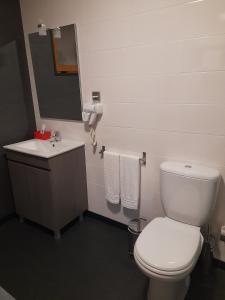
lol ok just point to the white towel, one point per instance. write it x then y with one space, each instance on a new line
111 177
130 181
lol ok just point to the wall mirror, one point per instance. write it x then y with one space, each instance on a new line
56 71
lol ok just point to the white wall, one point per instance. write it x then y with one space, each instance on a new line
160 67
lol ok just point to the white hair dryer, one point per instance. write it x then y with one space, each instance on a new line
91 111
89 115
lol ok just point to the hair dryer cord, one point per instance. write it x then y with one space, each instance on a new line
93 137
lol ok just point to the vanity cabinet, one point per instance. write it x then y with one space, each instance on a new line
49 191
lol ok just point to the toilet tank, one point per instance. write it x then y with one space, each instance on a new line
188 191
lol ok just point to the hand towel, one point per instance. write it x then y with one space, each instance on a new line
111 177
130 181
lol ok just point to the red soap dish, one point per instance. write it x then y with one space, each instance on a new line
42 136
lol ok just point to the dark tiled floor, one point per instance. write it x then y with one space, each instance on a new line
90 262
208 285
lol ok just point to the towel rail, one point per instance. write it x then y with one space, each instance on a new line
142 159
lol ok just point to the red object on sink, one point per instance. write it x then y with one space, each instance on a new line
42 136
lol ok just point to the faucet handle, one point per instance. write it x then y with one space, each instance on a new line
55 135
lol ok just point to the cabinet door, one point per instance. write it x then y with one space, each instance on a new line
32 193
40 196
19 180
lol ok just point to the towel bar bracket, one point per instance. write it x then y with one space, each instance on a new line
101 152
142 160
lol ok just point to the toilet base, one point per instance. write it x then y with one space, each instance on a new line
168 290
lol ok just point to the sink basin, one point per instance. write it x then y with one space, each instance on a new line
45 149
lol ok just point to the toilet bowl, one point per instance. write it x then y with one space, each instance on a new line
168 248
167 251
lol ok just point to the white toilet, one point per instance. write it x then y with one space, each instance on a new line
168 248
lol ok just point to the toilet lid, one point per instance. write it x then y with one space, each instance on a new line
168 245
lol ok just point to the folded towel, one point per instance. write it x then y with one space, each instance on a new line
111 177
130 181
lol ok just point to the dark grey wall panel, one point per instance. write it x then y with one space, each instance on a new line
13 115
17 120
11 29
58 95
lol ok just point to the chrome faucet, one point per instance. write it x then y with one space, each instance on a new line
55 136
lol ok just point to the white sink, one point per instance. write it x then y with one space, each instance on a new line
44 149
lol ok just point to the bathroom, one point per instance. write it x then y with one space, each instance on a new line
157 68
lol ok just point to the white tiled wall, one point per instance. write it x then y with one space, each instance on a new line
160 67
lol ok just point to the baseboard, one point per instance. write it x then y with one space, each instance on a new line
105 219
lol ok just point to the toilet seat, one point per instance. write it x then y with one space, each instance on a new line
168 249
